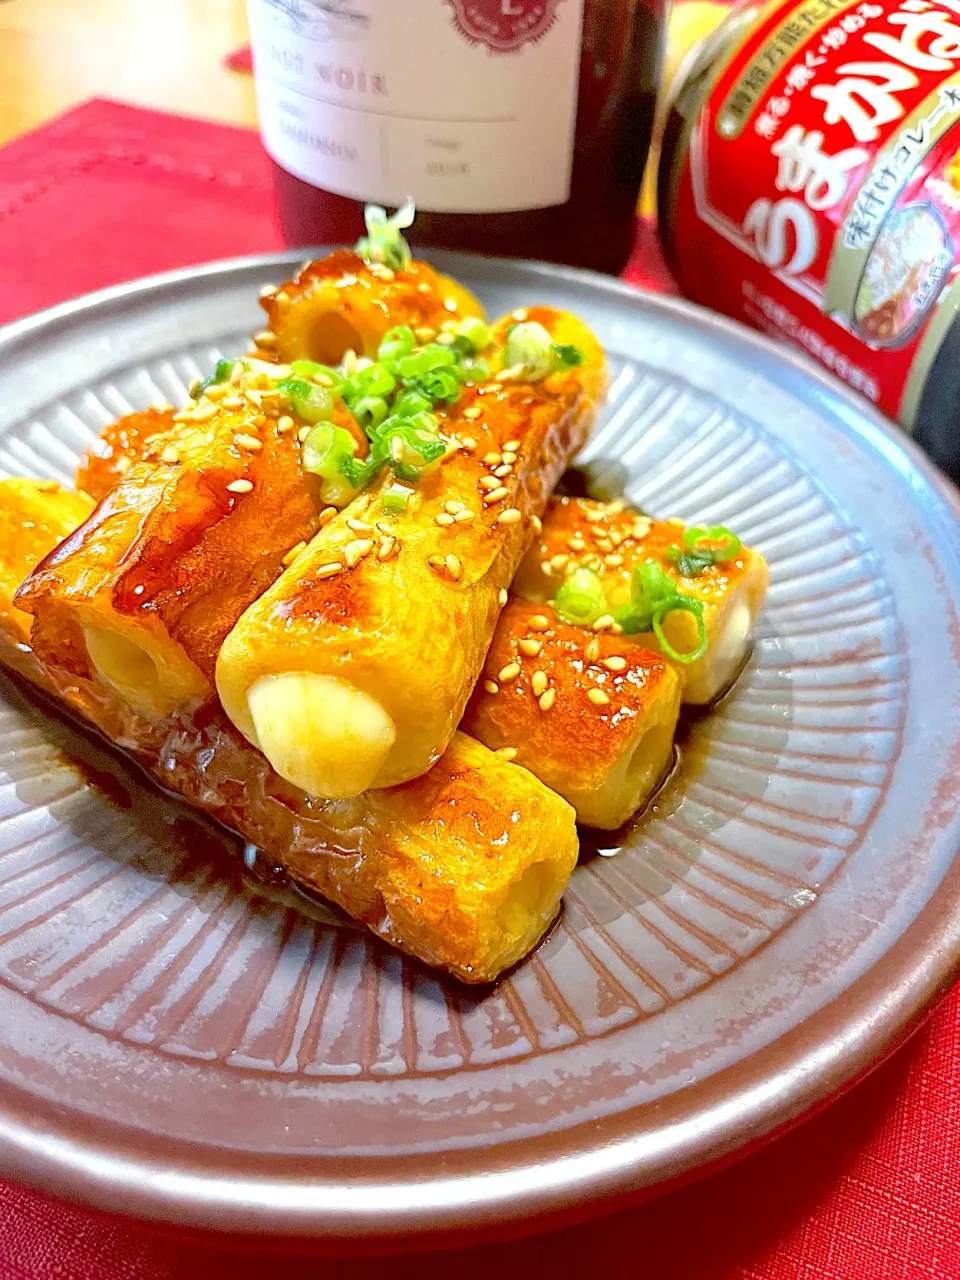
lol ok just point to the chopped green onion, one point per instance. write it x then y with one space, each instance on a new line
474 333
651 585
441 385
580 599
410 446
682 604
328 452
473 371
310 369
410 403
566 355
530 346
220 374
370 411
312 403
425 360
396 342
395 498
700 549
729 543
374 380
632 618
383 242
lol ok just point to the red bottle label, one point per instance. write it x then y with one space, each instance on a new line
820 193
503 25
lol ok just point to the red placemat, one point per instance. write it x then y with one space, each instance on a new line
867 1190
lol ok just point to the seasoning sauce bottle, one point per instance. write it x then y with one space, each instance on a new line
518 127
809 185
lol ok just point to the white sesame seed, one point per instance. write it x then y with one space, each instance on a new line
349 362
615 663
453 506
492 459
509 672
204 412
536 524
443 518
268 290
303 433
545 569
160 406
509 457
444 339
538 682
512 444
604 623
239 486
598 697
558 561
358 526
495 495
539 622
354 551
292 554
236 402
576 544
512 515
285 424
464 517
386 548
488 482
591 650
425 333
520 313
530 647
453 567
613 561
546 700
171 454
491 686
265 338
502 472
436 562
327 570
250 443
503 596
326 515
473 412
282 297
507 753
469 443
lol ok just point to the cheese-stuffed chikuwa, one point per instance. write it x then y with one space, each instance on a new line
143 593
350 299
592 715
463 867
354 668
691 593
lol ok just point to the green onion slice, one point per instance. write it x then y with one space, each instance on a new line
580 599
472 334
328 452
395 498
310 369
529 346
410 446
687 605
396 342
220 374
312 403
566 355
722 543
383 242
425 360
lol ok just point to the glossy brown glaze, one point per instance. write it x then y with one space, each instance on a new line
131 438
341 302
463 868
578 711
396 622
172 554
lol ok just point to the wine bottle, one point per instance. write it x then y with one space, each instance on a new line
518 127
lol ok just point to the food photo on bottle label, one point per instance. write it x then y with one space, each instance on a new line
809 185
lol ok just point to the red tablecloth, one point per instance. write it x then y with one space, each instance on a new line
868 1190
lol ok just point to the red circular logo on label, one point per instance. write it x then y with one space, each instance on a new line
503 25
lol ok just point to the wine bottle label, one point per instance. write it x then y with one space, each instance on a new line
468 106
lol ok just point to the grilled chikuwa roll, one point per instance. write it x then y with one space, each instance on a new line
682 591
463 867
143 593
133 438
35 515
342 303
354 669
592 715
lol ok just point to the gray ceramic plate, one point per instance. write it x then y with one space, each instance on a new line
179 1043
